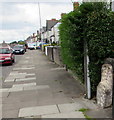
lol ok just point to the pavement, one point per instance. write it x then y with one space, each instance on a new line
39 88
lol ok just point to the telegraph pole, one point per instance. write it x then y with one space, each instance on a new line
39 19
39 14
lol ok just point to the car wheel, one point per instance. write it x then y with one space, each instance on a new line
13 60
11 63
23 52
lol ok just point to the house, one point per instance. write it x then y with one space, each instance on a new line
49 25
55 33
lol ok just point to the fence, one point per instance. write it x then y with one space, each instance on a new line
53 53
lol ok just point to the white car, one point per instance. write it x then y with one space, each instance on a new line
31 46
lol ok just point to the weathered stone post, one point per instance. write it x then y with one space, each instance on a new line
104 89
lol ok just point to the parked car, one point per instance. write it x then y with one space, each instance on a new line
6 55
19 49
31 46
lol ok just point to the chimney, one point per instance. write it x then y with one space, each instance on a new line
53 19
33 35
62 14
75 5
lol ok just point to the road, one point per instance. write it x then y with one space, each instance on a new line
6 69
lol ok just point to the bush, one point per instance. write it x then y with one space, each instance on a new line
93 23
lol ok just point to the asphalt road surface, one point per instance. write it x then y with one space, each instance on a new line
6 69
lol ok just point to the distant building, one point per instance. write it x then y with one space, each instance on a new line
4 44
55 33
32 38
43 34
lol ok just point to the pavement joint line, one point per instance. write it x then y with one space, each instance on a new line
58 108
15 80
8 94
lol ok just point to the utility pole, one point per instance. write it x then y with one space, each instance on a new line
39 14
39 20
40 26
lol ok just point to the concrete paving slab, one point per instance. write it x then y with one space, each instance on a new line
13 73
89 104
39 87
9 100
27 57
6 81
58 68
17 73
22 68
69 107
28 65
4 90
28 68
0 101
10 114
15 89
0 112
65 115
19 76
3 94
31 74
23 85
24 93
38 110
10 106
13 106
10 79
25 79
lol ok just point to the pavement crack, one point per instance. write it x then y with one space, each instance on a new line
58 108
15 80
8 95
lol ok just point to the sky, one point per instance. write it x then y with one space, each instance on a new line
19 20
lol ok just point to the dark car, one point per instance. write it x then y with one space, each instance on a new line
19 49
6 55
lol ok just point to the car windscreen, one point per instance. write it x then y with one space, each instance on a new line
5 51
18 47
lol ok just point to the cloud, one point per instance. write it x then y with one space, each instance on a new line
20 20
46 1
15 35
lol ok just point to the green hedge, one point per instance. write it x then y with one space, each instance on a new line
94 23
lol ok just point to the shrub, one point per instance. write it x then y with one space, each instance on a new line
93 23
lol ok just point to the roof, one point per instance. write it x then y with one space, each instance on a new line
50 23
